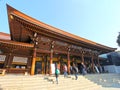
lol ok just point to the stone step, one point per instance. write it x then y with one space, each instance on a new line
74 87
41 83
34 85
55 87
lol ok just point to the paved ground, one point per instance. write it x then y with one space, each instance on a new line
109 88
108 81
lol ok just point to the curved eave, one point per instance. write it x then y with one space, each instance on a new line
79 39
59 32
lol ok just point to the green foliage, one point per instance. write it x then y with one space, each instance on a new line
118 39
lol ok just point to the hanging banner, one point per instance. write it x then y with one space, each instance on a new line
53 68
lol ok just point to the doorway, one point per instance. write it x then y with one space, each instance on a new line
38 67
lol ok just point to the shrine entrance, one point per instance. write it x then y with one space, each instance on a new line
36 47
38 67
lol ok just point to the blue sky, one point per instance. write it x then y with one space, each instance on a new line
96 20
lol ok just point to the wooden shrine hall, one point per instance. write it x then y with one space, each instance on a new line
34 47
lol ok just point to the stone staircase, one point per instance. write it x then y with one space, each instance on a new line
71 84
106 80
41 82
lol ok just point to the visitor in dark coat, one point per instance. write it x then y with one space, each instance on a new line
75 71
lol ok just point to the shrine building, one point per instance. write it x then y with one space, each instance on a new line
34 47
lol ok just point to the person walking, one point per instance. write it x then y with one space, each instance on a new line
75 71
57 72
71 70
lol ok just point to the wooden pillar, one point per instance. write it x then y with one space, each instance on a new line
59 63
35 42
82 57
7 60
68 63
43 65
92 64
29 64
51 57
33 62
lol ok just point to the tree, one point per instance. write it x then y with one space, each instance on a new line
118 39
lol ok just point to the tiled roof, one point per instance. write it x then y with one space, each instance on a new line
56 30
4 36
14 43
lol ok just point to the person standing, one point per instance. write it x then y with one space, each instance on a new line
83 69
65 70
